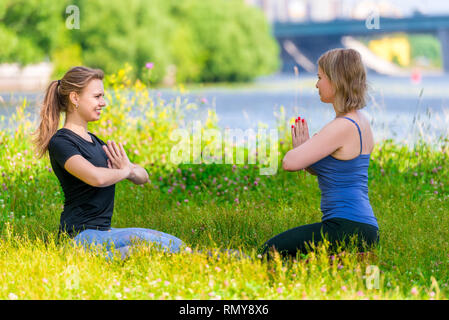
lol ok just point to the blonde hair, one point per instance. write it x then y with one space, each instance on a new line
57 100
347 74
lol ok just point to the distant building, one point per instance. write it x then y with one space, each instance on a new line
323 10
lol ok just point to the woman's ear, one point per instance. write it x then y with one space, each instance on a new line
74 98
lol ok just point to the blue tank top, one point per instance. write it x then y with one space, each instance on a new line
344 187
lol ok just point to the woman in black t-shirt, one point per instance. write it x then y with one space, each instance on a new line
86 167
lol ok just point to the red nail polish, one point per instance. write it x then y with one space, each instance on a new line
299 118
296 120
302 120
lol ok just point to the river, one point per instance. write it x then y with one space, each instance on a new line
397 108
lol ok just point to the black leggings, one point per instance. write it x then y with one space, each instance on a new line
337 231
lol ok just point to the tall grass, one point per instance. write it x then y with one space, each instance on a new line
218 207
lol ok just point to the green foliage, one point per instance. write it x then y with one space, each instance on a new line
214 40
30 29
233 40
428 46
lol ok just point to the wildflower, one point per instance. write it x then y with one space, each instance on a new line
435 192
149 65
245 188
186 200
432 181
343 288
166 283
360 293
44 280
203 100
414 291
170 190
12 296
323 289
236 200
279 290
256 183
188 249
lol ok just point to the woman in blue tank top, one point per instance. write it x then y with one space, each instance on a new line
339 156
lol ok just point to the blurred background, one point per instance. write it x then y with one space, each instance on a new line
246 59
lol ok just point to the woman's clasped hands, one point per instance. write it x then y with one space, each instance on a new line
117 158
300 132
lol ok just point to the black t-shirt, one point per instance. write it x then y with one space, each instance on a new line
85 206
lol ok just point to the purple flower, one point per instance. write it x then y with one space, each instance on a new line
149 65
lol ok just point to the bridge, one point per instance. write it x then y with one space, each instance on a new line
303 42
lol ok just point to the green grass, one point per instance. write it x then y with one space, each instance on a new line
412 255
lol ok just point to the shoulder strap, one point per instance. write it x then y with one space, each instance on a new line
360 133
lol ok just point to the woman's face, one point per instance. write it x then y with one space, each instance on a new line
91 101
324 86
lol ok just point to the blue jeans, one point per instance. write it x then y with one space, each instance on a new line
122 239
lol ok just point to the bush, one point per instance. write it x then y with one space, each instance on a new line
213 40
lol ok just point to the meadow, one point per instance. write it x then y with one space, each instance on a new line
218 206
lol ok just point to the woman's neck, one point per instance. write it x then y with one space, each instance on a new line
78 128
342 114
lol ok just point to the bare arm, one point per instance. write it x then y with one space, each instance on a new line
324 143
92 175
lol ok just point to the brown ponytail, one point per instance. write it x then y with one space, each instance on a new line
57 100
